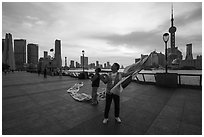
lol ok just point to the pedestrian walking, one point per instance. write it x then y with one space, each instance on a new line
60 73
45 72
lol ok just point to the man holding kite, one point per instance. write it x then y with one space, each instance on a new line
116 82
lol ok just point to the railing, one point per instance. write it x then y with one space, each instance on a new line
184 80
193 78
143 80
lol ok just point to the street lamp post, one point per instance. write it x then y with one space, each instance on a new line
83 60
166 38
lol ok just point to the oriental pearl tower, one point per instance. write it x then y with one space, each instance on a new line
172 31
173 53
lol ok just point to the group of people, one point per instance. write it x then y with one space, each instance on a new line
110 80
45 72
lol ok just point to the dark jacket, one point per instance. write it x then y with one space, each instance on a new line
95 80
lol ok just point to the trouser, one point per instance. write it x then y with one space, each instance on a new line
116 99
94 94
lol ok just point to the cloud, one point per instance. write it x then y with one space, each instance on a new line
27 25
134 39
32 18
40 22
189 17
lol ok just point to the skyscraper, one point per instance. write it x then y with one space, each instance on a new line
71 63
32 54
58 58
97 63
84 62
92 66
77 65
189 55
20 53
108 65
8 54
105 66
45 54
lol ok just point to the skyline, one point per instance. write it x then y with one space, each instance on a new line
122 31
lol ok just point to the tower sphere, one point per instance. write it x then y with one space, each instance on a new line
172 29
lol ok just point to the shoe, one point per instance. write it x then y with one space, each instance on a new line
117 119
105 121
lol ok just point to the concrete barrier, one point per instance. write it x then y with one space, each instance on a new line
166 79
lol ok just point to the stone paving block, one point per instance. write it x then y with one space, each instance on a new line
95 126
14 100
192 117
152 107
12 92
176 101
142 97
148 92
194 99
36 126
26 121
164 126
15 107
159 99
167 121
189 129
169 112
124 99
12 123
14 131
72 119
9 115
194 107
139 120
126 110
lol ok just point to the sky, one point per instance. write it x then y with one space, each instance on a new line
106 31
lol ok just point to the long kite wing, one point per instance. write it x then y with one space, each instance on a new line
135 69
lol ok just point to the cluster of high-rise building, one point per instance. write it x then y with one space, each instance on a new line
106 65
26 57
174 55
52 63
16 58
84 62
189 62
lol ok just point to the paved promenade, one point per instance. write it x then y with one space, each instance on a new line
32 105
